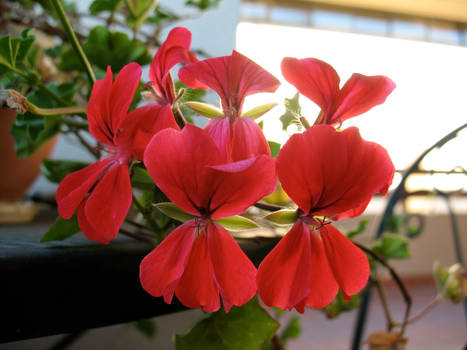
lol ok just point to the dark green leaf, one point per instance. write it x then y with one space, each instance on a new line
247 327
62 229
202 4
147 327
13 51
361 228
392 246
56 170
275 148
292 330
162 15
105 48
142 179
292 113
98 6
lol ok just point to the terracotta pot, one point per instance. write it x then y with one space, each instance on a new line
17 174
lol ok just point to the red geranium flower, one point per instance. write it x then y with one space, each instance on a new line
200 260
232 78
175 49
123 135
326 173
318 81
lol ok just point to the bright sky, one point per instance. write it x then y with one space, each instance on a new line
429 101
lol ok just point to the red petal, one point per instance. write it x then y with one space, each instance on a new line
180 170
88 230
359 94
143 123
234 272
327 172
314 79
123 90
242 139
75 186
98 110
174 50
348 263
237 186
109 202
232 77
161 269
197 286
323 285
284 275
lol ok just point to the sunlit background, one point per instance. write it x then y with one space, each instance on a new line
427 63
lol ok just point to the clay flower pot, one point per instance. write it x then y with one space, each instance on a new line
17 174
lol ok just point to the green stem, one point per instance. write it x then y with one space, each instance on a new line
55 111
73 40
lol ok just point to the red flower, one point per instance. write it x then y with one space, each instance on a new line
326 173
232 78
175 49
123 134
318 81
200 260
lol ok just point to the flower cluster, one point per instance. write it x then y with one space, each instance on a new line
223 169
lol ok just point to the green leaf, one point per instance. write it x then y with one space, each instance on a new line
449 282
56 170
275 148
142 179
98 6
292 113
361 228
147 327
236 223
62 229
283 217
30 130
162 15
173 211
105 48
259 111
139 11
292 330
246 327
392 246
202 4
13 51
339 305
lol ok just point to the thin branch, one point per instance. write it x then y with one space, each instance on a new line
400 284
145 213
426 309
93 150
382 294
276 343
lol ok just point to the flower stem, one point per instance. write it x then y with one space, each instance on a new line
55 111
397 279
146 215
73 40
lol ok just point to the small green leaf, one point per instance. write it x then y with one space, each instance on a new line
392 246
292 113
283 217
204 109
361 228
13 51
246 327
202 5
292 330
237 223
173 211
98 6
162 15
449 282
146 327
56 170
62 229
275 148
259 111
339 305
